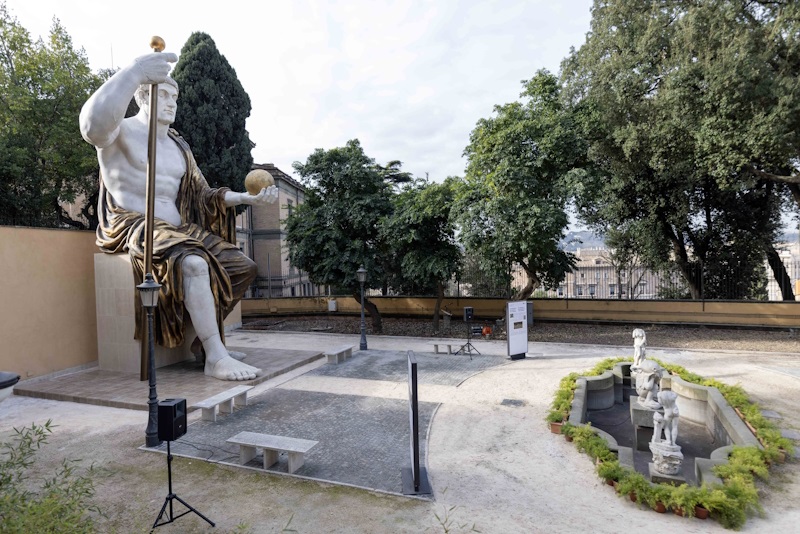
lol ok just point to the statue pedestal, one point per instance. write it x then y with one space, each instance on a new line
117 350
662 478
643 426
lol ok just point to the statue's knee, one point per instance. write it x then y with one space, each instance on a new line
194 265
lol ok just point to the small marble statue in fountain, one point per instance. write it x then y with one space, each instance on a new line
648 379
667 455
639 344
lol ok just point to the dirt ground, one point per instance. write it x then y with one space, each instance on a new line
493 468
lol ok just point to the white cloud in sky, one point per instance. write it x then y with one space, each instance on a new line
408 78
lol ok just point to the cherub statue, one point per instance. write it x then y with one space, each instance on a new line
639 345
648 379
668 422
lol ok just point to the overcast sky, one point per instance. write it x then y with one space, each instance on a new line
409 79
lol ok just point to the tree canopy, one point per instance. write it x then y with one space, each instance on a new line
336 229
690 113
212 110
422 241
44 161
511 206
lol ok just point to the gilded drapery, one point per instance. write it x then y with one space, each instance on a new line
208 231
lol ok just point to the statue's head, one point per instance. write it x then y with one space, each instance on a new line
667 397
142 94
167 100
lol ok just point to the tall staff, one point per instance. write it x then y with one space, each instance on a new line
158 45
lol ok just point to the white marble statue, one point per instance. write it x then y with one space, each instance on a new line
667 455
195 257
668 421
639 345
648 380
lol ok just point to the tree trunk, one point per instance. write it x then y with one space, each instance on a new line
533 282
779 272
372 309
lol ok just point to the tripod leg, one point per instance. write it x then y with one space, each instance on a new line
161 514
192 509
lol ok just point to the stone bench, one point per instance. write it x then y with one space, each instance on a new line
225 401
448 345
340 354
250 442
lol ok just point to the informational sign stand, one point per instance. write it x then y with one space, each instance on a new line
415 478
517 329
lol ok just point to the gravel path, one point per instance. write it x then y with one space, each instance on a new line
665 336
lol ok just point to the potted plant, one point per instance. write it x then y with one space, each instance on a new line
567 429
634 485
657 496
556 419
683 499
610 471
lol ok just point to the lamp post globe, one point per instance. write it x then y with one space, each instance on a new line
361 275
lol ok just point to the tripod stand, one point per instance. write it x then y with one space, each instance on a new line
468 348
170 517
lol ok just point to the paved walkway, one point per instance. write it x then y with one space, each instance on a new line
488 451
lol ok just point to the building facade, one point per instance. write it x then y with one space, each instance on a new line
261 235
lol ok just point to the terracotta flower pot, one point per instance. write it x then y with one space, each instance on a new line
660 508
632 496
610 482
555 428
568 438
700 512
678 511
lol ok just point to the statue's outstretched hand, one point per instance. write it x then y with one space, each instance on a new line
155 67
268 195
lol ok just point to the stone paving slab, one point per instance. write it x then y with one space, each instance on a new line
363 441
392 366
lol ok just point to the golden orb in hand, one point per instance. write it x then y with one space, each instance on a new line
256 180
157 43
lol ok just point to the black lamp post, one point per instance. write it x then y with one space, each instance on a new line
361 274
148 292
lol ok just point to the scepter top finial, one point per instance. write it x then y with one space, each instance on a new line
157 43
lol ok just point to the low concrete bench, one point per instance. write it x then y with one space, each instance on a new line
250 442
225 401
338 355
448 345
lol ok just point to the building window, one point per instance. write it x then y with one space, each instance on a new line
592 290
289 207
579 290
560 291
612 289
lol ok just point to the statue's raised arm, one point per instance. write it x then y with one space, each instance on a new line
102 114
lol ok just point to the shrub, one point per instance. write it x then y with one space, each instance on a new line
61 504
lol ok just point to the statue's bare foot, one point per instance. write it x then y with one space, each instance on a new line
236 355
229 369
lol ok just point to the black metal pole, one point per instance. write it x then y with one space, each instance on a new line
363 345
151 433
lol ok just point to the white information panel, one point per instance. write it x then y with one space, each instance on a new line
517 328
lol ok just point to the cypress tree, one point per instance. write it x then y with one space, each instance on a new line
212 110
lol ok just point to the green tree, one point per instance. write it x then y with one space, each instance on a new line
212 111
44 162
336 229
511 207
678 100
422 238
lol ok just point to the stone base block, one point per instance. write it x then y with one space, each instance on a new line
660 478
117 350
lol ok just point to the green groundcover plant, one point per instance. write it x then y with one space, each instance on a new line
730 502
60 504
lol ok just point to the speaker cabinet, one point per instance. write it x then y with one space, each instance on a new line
171 419
468 313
